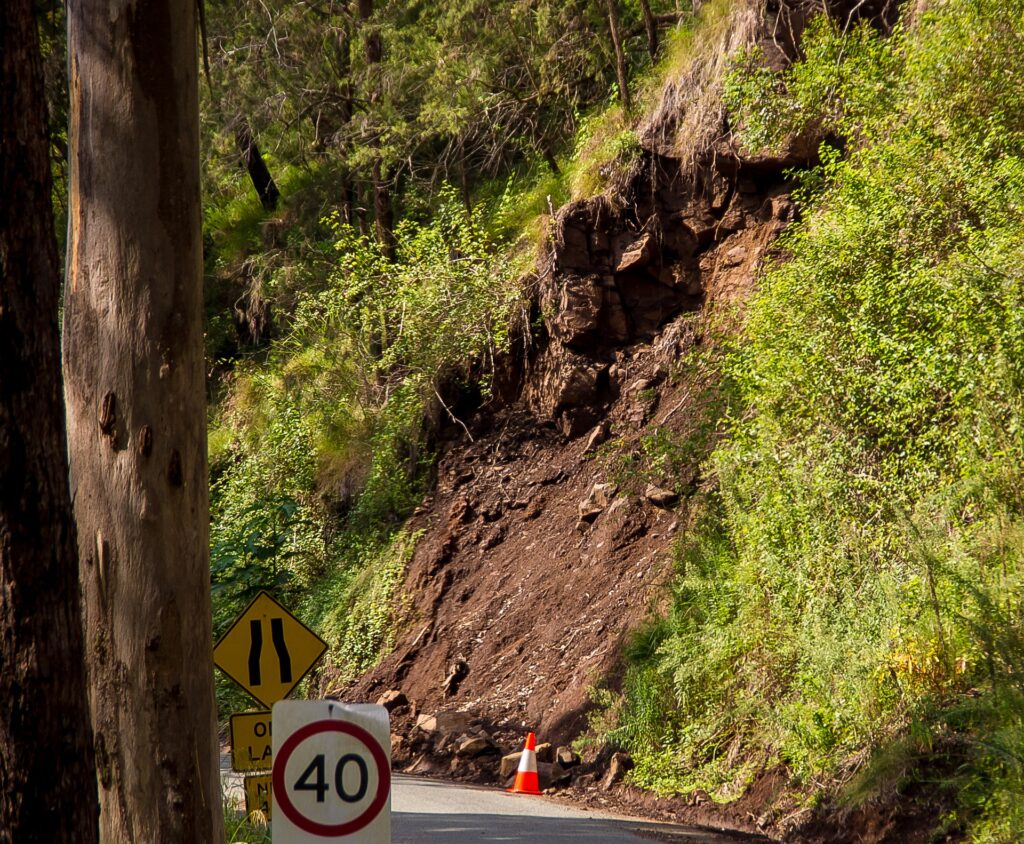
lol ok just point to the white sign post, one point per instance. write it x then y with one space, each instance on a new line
332 773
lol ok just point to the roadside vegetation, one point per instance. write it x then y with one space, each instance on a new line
847 599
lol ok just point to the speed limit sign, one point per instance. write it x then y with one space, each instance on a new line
332 773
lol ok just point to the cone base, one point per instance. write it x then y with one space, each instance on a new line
526 782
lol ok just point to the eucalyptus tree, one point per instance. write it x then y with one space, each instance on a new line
135 390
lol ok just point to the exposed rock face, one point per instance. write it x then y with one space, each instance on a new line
616 274
523 597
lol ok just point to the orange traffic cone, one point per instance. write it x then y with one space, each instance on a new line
526 777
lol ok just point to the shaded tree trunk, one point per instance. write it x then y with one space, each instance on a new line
47 767
620 56
383 213
133 356
343 52
259 173
382 210
651 28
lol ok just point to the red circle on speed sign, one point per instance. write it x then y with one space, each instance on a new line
283 801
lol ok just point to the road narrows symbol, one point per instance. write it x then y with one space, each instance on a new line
255 649
277 635
267 650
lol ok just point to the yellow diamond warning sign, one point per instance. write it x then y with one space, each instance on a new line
251 742
267 651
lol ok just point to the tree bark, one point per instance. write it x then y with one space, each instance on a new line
133 356
259 173
620 56
343 53
651 27
383 213
47 767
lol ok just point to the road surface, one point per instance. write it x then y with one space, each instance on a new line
434 812
425 811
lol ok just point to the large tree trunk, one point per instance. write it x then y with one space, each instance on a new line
343 54
133 357
47 768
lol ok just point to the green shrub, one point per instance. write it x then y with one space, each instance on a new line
859 584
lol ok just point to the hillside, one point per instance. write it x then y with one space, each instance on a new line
691 432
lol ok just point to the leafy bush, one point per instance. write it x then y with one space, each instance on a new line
320 449
862 575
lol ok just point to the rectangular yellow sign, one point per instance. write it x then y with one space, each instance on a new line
251 742
258 795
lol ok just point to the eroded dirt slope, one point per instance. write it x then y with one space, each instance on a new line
549 534
541 550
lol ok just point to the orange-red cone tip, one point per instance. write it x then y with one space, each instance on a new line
526 777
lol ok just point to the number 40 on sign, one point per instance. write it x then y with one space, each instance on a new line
332 773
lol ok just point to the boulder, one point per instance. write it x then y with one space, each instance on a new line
735 256
566 757
510 764
458 670
618 766
545 752
638 254
548 774
596 502
392 699
446 723
660 497
576 320
473 746
597 436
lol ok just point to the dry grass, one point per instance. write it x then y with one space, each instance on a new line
685 116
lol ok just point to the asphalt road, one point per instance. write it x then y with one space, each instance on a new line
434 812
426 811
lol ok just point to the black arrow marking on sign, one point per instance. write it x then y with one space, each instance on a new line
277 636
255 649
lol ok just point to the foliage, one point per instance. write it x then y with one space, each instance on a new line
855 579
320 447
362 611
241 829
461 89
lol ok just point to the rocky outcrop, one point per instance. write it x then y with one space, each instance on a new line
617 272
